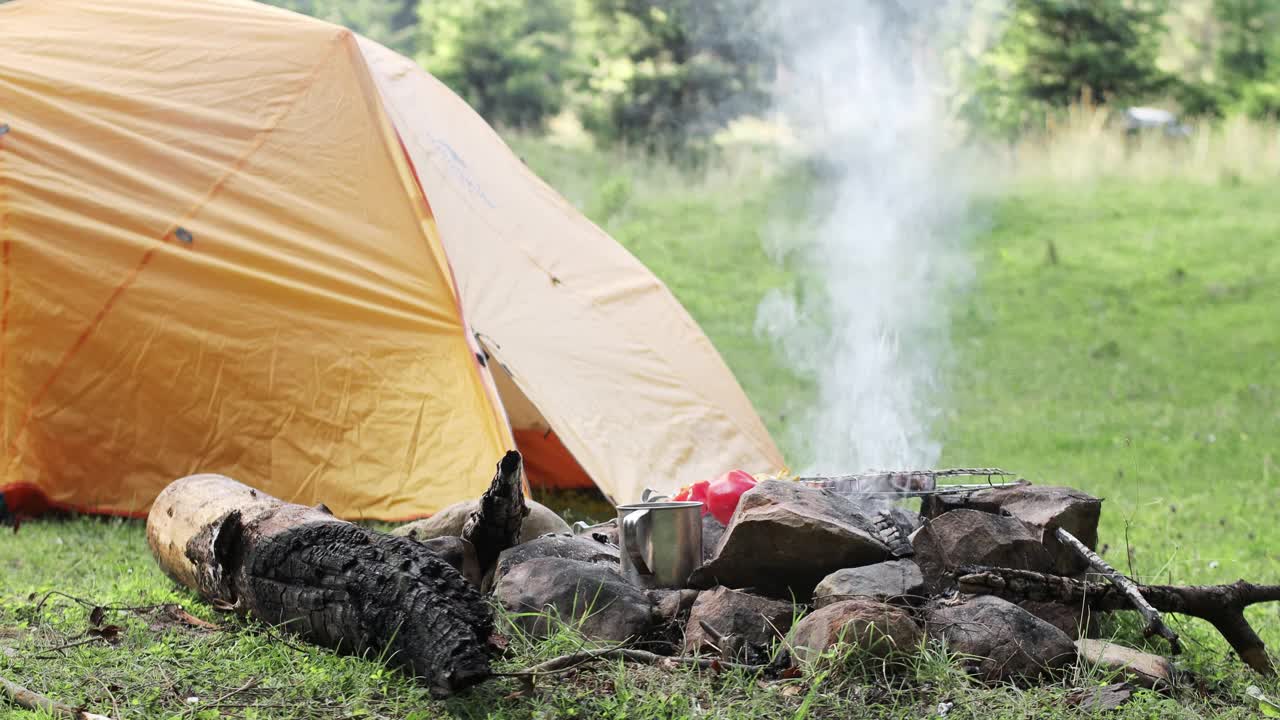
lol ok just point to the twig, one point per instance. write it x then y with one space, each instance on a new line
718 640
108 608
230 694
115 706
565 663
31 700
58 592
716 635
48 651
1155 624
276 634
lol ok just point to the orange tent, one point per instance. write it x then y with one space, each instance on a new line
235 239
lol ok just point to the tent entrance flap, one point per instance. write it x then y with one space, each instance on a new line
548 464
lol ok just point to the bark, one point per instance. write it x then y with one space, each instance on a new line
332 582
1221 605
495 525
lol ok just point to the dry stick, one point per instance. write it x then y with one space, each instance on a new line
230 694
1155 624
31 700
1220 605
48 652
107 608
717 639
115 706
564 663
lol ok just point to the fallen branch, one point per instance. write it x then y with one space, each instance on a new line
34 701
1154 623
1220 605
572 661
495 525
330 581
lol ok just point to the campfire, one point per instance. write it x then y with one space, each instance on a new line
1004 572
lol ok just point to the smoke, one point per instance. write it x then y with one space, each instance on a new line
881 250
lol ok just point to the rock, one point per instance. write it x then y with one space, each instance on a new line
896 580
972 537
1044 507
671 605
564 590
572 547
458 553
1145 669
449 521
712 534
1073 620
1005 641
745 619
785 537
878 628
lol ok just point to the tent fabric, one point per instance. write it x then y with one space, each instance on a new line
235 239
215 257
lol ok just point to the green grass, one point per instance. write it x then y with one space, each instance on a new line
1143 366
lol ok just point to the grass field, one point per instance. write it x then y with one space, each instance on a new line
1138 360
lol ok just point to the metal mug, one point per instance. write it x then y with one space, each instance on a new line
661 542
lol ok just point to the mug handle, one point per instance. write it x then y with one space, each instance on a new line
631 540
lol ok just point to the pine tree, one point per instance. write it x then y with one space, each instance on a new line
668 74
1107 48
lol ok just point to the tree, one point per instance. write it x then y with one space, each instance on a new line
510 59
1248 54
667 74
1048 54
1245 31
1105 47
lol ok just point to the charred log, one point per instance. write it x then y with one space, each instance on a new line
495 525
331 582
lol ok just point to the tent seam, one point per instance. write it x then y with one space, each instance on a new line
399 158
7 278
145 260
